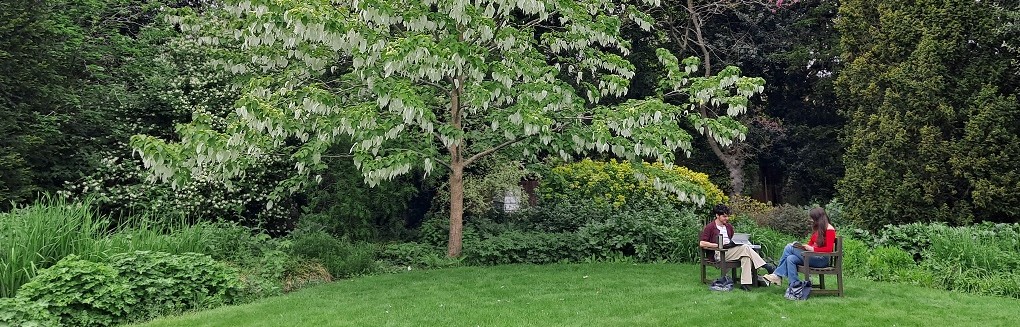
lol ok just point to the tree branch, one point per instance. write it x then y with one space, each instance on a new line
495 148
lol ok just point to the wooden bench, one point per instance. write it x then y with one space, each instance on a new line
835 267
708 260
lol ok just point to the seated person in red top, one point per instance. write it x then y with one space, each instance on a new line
721 227
823 239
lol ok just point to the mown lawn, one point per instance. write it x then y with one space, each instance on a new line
606 294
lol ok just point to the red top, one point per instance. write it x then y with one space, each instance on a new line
830 241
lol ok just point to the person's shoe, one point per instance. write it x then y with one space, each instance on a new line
769 268
761 281
745 287
773 279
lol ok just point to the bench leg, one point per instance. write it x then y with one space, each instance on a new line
839 283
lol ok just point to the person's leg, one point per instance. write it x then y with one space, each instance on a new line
745 271
742 253
819 262
745 251
790 267
755 257
782 269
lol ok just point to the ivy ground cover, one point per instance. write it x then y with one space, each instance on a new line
604 294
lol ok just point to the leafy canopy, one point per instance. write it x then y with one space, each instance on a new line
420 84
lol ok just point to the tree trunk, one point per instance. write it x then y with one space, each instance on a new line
455 245
457 163
734 160
736 167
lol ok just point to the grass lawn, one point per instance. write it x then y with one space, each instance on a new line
607 294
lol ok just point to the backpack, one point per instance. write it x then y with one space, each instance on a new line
799 290
722 284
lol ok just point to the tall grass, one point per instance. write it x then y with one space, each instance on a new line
37 236
980 259
143 234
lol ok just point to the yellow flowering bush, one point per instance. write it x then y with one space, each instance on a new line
622 183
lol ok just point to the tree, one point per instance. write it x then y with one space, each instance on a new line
64 67
440 83
932 113
794 140
704 30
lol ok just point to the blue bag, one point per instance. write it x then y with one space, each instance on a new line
722 284
799 290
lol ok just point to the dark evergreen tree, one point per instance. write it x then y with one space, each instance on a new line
929 94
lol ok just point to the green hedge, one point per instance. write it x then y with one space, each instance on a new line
131 287
616 183
588 232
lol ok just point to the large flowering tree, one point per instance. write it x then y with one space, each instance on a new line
414 85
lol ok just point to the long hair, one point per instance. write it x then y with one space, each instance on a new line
819 222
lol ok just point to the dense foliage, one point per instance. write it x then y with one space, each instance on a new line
617 183
271 115
981 258
67 72
932 112
131 287
439 84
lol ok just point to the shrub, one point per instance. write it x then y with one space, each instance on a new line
526 247
341 257
855 257
637 233
343 205
120 188
163 282
21 312
435 230
81 293
647 234
303 273
889 264
789 219
263 276
491 177
134 286
753 209
567 216
913 238
772 242
416 256
834 209
616 183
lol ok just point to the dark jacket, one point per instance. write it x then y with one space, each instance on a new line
711 233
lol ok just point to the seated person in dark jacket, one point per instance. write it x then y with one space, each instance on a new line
749 259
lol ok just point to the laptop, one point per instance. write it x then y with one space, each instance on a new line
743 238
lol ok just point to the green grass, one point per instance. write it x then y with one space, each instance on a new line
609 294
